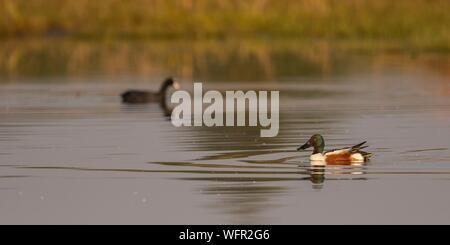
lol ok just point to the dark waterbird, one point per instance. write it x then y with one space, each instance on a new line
143 96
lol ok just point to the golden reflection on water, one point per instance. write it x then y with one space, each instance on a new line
232 60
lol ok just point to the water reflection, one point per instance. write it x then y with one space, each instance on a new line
163 108
244 201
233 60
318 173
246 197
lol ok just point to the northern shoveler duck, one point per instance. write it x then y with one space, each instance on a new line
140 97
342 156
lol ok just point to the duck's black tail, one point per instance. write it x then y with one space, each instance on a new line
357 149
359 146
366 155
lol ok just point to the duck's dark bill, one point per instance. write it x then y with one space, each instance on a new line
305 146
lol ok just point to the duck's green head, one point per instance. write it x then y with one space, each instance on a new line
315 141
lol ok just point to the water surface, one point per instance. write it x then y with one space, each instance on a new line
71 153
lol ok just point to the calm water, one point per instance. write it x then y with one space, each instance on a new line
71 153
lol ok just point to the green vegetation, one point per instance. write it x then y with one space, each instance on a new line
236 39
420 22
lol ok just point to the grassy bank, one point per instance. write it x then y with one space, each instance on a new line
418 21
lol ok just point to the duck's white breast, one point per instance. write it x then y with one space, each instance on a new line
317 157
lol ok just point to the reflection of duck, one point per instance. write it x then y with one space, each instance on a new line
344 156
317 176
317 173
140 96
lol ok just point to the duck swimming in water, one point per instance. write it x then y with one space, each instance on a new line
141 97
343 156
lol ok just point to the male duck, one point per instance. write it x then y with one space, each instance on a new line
140 97
347 155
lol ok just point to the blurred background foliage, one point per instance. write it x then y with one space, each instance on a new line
231 39
417 20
